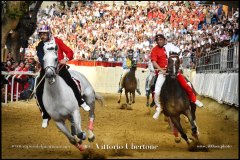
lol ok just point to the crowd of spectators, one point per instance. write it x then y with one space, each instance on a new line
103 32
26 81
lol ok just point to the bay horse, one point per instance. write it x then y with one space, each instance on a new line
60 101
130 84
174 99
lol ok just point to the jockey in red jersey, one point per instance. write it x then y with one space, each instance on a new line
159 58
47 38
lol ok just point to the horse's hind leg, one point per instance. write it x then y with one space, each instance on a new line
91 135
176 121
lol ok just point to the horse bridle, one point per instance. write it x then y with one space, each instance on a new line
174 72
54 68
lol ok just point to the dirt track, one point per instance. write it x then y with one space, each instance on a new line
23 137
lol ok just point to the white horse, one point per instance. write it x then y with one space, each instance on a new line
60 102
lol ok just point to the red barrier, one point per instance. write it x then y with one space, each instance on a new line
100 63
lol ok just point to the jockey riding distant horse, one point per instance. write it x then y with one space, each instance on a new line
130 84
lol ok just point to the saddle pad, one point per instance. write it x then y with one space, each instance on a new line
77 83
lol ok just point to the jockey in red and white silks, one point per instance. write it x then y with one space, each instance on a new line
159 58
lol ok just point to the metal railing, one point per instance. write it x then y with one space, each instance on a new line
225 59
13 75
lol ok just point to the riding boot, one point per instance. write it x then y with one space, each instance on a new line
157 113
68 79
198 103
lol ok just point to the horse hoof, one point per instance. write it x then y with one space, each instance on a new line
80 147
177 139
148 112
190 141
82 135
195 136
129 108
122 106
91 139
118 102
152 104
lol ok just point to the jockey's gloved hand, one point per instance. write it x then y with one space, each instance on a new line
64 61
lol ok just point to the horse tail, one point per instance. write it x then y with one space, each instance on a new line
100 99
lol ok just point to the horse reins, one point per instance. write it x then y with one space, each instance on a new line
59 68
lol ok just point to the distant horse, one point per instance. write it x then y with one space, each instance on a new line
60 101
174 100
130 84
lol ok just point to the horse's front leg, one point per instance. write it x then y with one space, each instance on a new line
131 99
133 96
194 128
176 121
127 99
62 126
119 100
174 129
77 124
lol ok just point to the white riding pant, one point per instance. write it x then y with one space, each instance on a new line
160 80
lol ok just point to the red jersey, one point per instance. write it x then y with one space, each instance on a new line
159 55
63 48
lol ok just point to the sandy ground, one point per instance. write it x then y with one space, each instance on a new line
124 130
